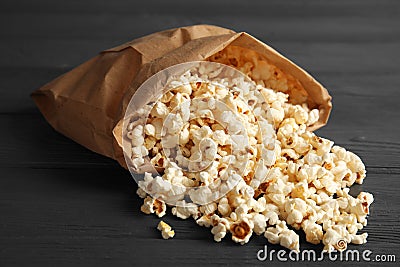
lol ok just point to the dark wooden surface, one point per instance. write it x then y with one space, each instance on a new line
62 205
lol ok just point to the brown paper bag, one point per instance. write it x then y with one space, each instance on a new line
87 104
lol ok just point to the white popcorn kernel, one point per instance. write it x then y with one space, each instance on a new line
302 147
161 186
208 148
219 232
359 239
342 202
141 193
158 126
300 115
173 124
241 231
220 137
242 211
271 216
204 220
247 192
312 158
272 235
137 141
282 235
205 178
277 198
156 206
339 152
185 210
150 130
137 162
184 89
260 205
330 185
221 91
277 115
313 232
202 195
233 216
268 156
209 208
366 198
289 239
289 153
184 136
137 131
332 240
166 230
159 110
294 216
130 126
144 151
313 117
136 152
223 207
260 223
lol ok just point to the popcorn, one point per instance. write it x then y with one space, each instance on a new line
156 206
219 232
359 239
237 157
313 232
150 130
208 209
241 231
159 110
313 117
334 240
281 234
166 230
223 207
260 223
185 210
301 115
204 220
141 193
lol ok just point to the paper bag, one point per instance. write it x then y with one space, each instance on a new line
87 104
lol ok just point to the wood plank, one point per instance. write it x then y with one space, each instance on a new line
92 216
315 57
301 27
231 7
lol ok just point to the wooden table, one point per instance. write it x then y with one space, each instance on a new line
62 205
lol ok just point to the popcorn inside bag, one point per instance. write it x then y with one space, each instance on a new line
237 157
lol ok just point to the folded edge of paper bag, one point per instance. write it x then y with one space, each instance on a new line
315 90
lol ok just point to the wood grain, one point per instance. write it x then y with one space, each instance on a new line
63 205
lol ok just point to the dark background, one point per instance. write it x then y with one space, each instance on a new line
62 205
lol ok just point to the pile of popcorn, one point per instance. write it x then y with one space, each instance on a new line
237 157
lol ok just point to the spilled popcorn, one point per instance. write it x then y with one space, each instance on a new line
166 230
236 156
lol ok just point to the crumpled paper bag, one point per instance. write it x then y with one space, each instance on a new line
87 104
